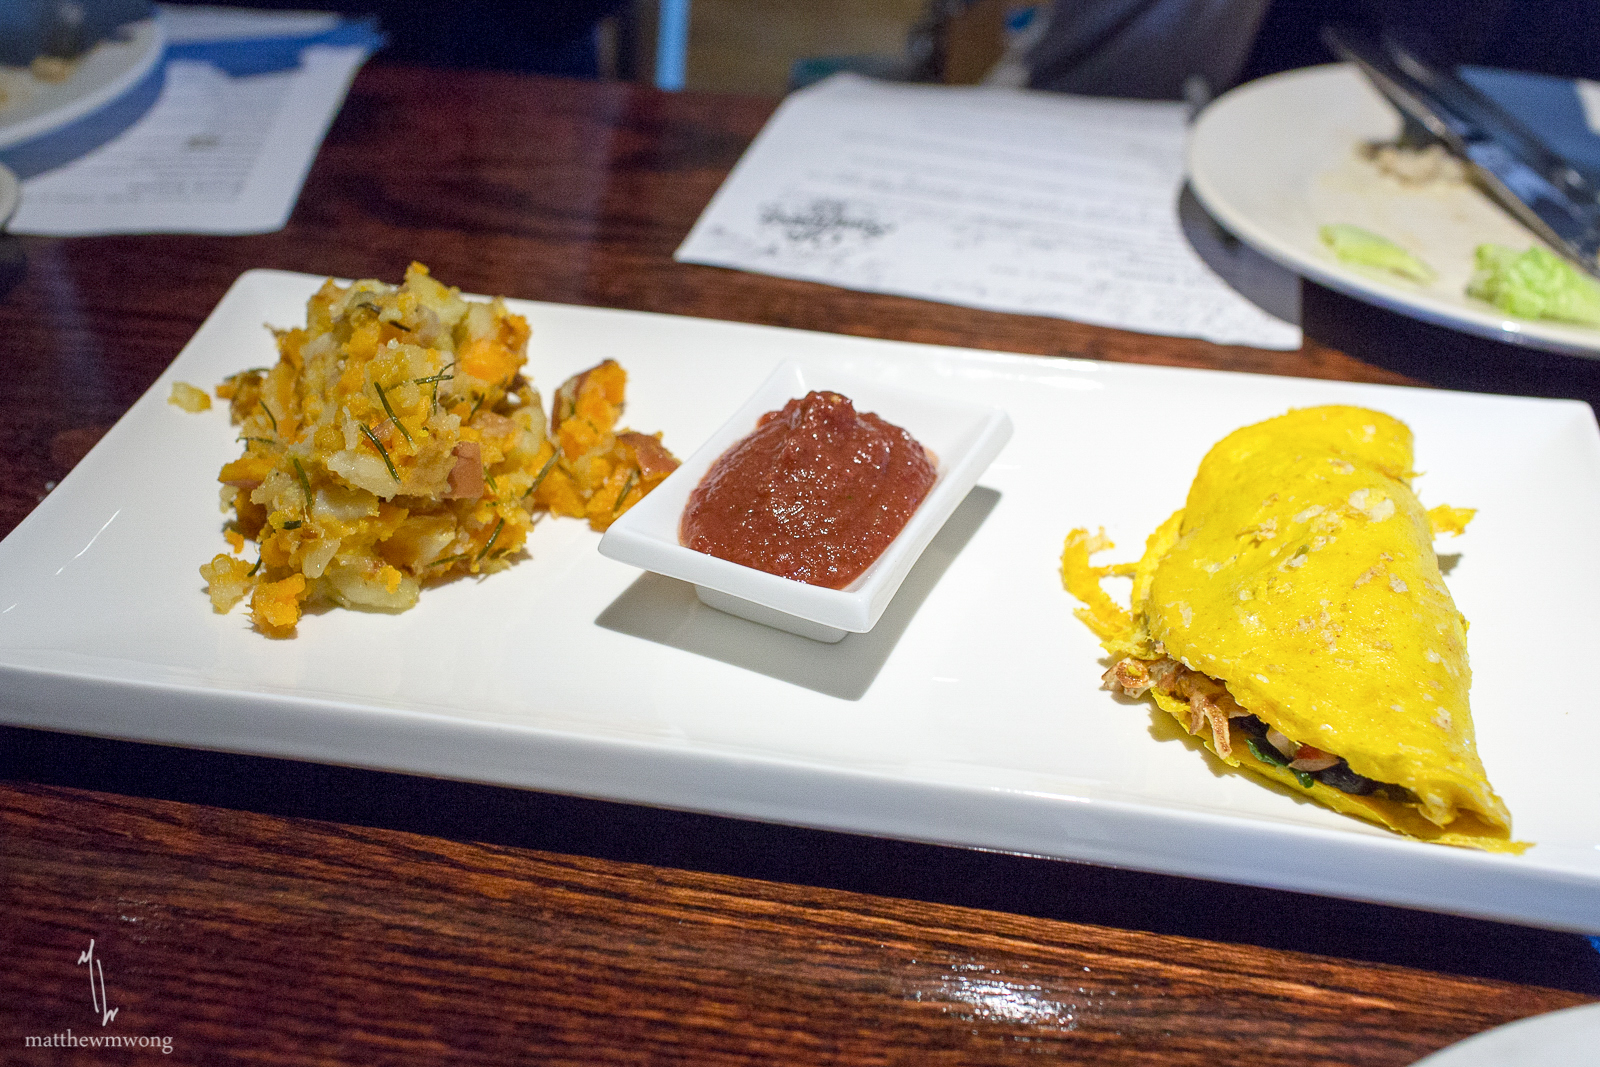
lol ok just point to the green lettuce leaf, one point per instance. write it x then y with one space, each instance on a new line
1364 248
1536 284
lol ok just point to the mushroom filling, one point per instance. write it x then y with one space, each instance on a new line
1210 704
1265 744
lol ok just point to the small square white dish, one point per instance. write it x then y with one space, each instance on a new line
965 436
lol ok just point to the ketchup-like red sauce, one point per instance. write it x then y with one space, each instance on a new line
816 493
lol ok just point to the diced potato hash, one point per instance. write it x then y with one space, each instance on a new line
396 442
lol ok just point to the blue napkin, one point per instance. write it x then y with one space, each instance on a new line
242 58
1548 106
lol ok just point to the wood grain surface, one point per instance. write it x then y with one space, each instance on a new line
297 941
266 912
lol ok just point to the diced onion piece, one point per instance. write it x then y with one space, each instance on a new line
189 398
1289 748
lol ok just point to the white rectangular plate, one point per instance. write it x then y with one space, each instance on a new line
971 715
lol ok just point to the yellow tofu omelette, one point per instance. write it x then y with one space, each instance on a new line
1293 617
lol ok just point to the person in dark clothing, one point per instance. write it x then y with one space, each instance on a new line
1153 48
529 36
1142 48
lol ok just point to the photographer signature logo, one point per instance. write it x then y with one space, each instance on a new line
97 997
100 1002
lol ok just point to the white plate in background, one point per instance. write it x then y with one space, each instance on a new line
108 70
1567 1038
1276 159
970 715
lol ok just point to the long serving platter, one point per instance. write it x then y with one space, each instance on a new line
970 715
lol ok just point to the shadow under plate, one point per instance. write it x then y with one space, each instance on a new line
667 611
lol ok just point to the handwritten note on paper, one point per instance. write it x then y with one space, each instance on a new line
1035 203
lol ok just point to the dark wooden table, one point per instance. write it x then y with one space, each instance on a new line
255 910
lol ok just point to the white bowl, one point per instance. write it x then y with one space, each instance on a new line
964 436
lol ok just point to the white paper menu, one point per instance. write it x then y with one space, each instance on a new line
1037 203
217 152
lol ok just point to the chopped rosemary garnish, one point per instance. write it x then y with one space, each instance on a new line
538 479
490 543
627 486
369 306
396 325
251 573
257 440
305 483
489 481
476 404
292 524
383 398
270 417
382 452
448 559
445 374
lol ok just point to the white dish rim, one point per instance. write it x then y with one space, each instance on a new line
146 35
1525 1043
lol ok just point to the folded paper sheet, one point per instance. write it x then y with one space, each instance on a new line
1037 203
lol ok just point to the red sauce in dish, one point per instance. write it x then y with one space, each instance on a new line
816 493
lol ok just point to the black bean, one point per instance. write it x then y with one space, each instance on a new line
1397 793
1342 778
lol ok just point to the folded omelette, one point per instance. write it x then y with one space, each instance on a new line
1293 617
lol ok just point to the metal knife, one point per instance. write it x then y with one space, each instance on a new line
1541 189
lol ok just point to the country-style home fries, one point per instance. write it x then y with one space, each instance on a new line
396 442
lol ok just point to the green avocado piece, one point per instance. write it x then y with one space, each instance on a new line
1364 248
1536 284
